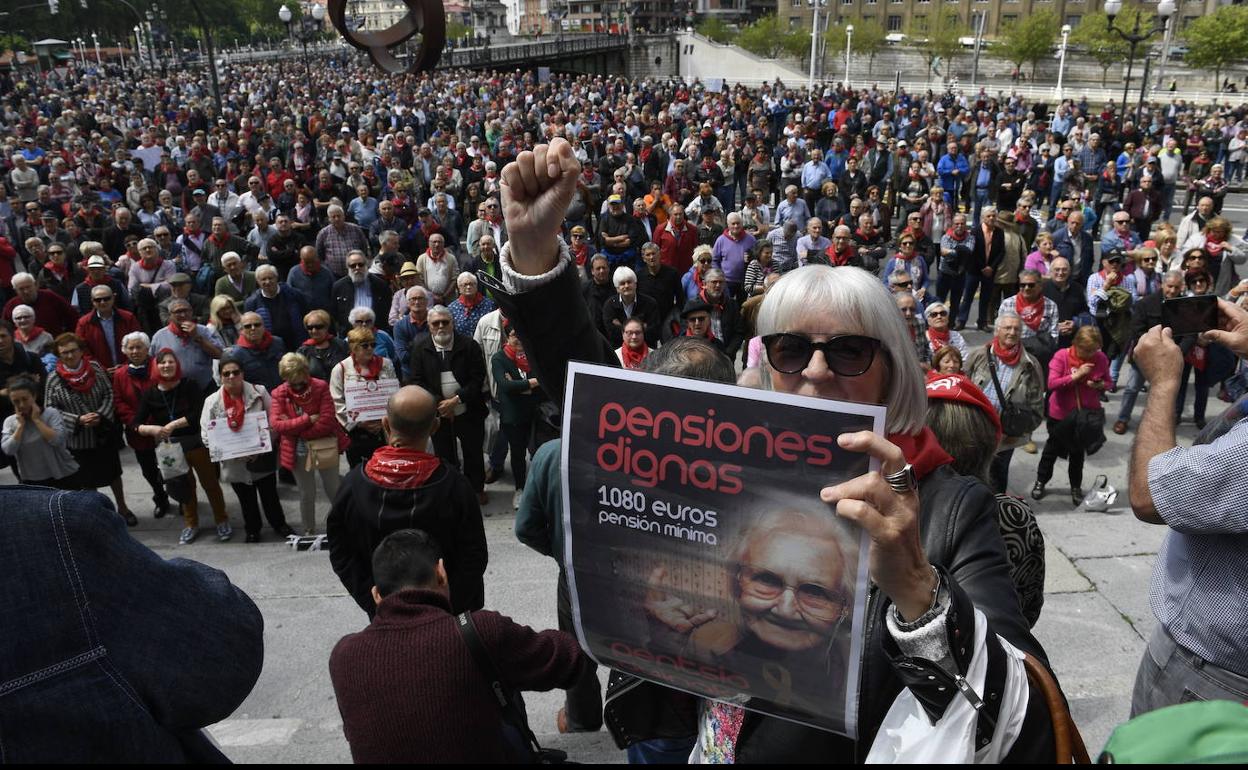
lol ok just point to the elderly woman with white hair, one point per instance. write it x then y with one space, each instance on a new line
470 306
941 599
129 384
365 318
33 338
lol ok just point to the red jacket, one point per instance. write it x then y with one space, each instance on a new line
127 392
92 334
292 426
52 312
676 248
277 181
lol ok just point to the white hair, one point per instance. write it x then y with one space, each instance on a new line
466 274
863 306
23 310
20 278
264 270
230 256
421 290
622 274
440 310
136 336
360 313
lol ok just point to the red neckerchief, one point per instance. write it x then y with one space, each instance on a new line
173 327
309 271
311 343
955 236
580 254
633 359
476 300
728 233
235 409
302 398
261 346
220 244
937 339
82 380
35 331
187 231
374 368
400 468
429 253
154 265
709 335
1107 285
716 305
1032 312
1214 244
923 451
645 153
521 360
1008 357
60 271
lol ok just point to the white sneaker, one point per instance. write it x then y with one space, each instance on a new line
515 500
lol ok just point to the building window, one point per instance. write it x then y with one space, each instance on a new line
872 2
894 2
1073 21
795 3
847 2
1007 20
920 24
894 23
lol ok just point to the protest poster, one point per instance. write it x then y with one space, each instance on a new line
366 399
698 552
253 438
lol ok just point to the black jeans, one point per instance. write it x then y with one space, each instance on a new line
266 490
999 471
470 430
1048 458
518 447
584 697
151 473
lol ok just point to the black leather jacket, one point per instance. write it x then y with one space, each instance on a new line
960 537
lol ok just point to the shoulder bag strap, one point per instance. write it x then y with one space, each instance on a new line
992 369
512 713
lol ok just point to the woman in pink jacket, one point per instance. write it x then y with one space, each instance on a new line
1078 375
302 415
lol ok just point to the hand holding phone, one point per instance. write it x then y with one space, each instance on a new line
1186 316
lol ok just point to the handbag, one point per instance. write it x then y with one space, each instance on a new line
1015 422
519 741
322 453
1089 427
171 459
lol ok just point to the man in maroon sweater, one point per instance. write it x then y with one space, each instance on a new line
407 686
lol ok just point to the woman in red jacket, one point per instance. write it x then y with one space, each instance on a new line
129 382
302 415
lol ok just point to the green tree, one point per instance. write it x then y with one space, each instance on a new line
936 38
1106 48
869 39
768 38
1030 40
715 29
1218 40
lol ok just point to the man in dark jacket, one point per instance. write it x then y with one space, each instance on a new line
725 313
629 303
121 674
258 352
452 367
361 288
281 307
402 486
1071 299
437 707
659 282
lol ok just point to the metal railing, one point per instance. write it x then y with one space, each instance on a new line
515 53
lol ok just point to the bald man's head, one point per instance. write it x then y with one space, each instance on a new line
410 416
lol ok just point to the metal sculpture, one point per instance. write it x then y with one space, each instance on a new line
424 17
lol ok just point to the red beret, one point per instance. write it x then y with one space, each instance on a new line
959 388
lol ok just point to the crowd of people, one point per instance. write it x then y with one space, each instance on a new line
407 264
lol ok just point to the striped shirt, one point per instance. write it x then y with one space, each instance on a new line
72 405
1198 583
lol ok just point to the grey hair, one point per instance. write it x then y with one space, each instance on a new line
334 207
1029 273
988 210
439 310
422 290
1175 274
230 256
714 272
23 310
693 358
621 274
863 306
899 273
264 270
360 313
20 278
136 337
466 274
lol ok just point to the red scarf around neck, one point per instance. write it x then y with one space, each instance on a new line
177 330
521 360
923 451
235 409
955 236
35 331
1032 312
937 339
374 368
633 359
60 271
262 345
82 380
1008 357
400 468
470 304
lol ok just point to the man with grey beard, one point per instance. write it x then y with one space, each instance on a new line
451 366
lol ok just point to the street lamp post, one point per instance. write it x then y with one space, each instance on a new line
1165 9
95 40
1166 42
1061 64
306 31
814 5
980 20
849 47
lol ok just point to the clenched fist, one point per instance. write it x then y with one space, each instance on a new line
537 189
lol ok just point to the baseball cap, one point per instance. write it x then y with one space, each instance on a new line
615 199
198 191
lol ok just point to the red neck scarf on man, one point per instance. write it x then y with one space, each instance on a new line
950 232
634 358
177 330
840 258
220 243
81 380
151 265
235 409
1009 357
1032 312
1105 279
439 258
262 345
718 306
400 468
937 338
923 451
60 271
521 360
374 368
706 335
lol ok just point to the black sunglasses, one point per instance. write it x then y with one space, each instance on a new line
849 355
314 327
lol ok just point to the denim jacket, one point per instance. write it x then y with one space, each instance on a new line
109 652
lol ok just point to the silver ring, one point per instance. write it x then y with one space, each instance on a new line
903 482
